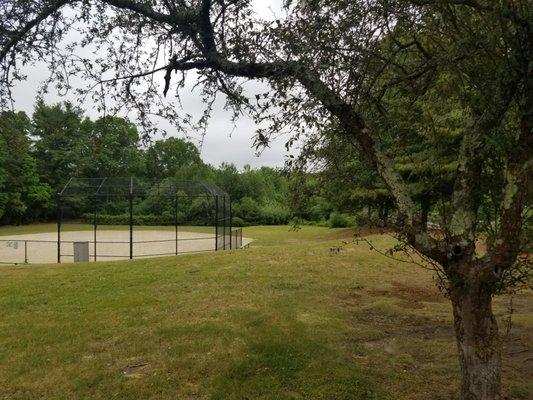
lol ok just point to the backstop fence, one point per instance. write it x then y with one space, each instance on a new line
115 218
35 251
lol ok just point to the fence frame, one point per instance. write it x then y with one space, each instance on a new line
98 187
226 237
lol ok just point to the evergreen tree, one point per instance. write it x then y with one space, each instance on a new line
24 196
112 149
61 142
168 156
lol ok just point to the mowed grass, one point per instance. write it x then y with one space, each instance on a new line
287 318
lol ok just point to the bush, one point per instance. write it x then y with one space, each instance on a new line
323 223
202 211
167 218
237 222
248 210
339 220
274 214
318 208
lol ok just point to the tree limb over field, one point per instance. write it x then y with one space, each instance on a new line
340 63
196 24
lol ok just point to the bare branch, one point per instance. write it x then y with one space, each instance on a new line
18 35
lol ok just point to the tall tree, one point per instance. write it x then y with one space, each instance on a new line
422 133
324 61
61 142
3 177
24 196
166 157
112 149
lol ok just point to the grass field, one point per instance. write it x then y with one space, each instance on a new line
287 318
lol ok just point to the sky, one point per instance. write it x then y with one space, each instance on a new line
224 141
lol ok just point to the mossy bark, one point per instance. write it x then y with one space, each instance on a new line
478 342
424 211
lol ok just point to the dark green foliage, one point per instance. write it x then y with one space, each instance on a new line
248 210
318 208
61 142
339 220
112 149
124 219
237 222
39 155
165 158
274 214
202 211
3 177
251 212
352 185
23 196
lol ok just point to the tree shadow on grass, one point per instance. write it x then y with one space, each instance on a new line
293 367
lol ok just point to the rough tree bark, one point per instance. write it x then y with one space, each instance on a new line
425 205
478 342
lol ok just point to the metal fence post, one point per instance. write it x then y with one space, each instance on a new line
224 223
216 222
176 220
94 227
59 216
131 218
230 227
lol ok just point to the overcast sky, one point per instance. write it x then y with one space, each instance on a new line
223 142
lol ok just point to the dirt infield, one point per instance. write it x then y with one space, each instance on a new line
110 245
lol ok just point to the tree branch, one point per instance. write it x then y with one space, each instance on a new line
184 17
352 124
465 196
19 34
515 195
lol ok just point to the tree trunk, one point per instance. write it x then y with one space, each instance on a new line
478 343
424 211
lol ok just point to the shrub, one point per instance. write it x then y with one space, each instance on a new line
339 220
318 208
202 211
248 210
274 214
323 223
166 218
237 222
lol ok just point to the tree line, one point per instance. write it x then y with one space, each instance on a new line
41 152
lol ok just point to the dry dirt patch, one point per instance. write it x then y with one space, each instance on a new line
110 245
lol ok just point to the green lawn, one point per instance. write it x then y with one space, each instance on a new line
287 318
